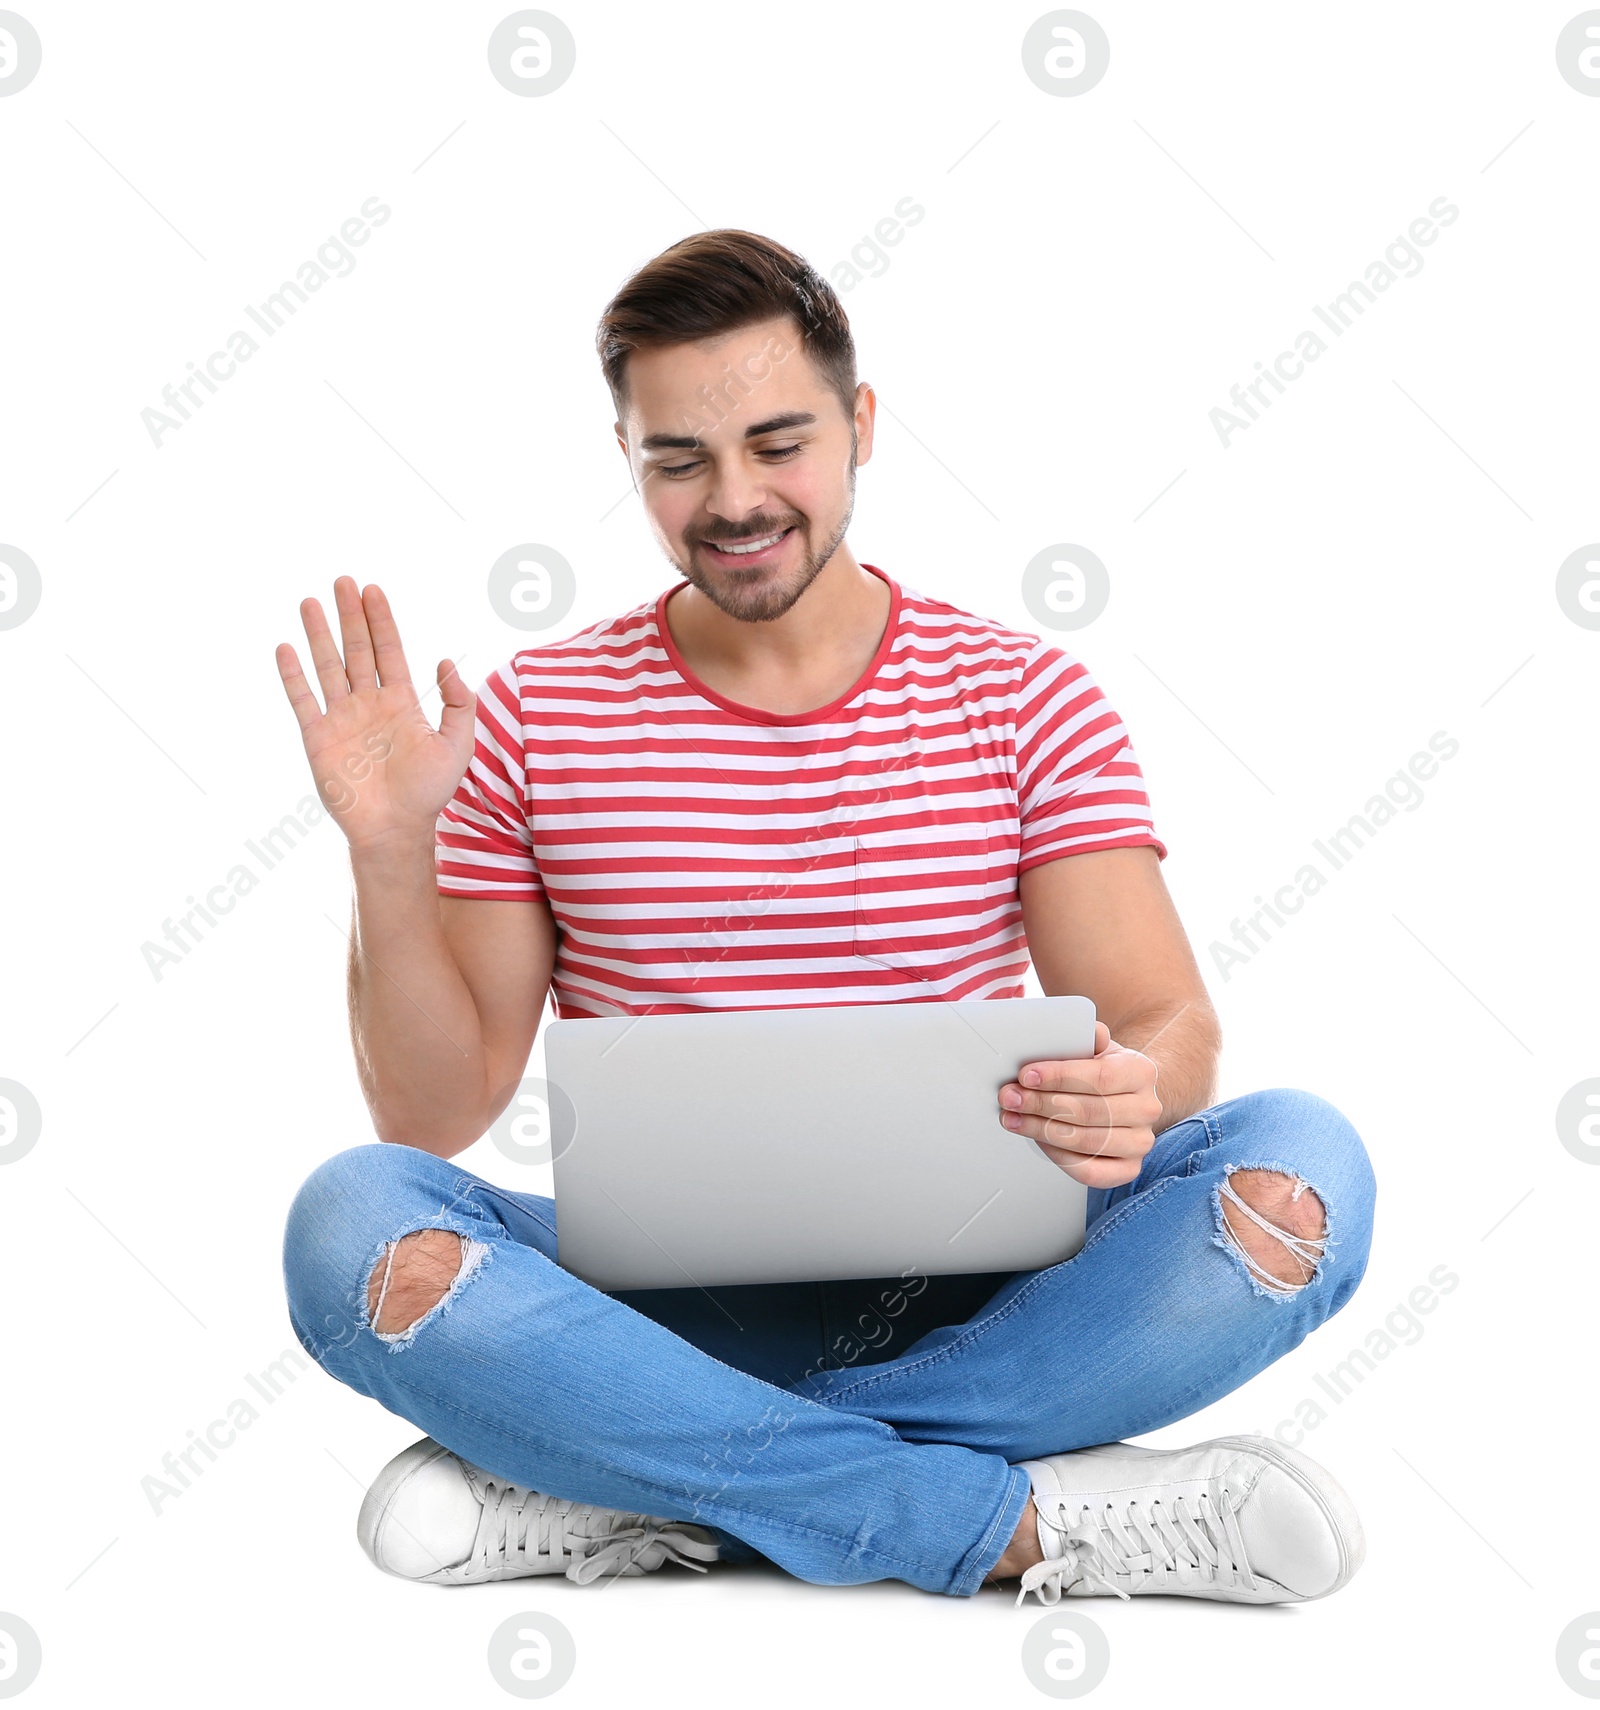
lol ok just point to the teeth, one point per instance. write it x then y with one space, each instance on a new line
754 545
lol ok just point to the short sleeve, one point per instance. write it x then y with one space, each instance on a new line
1079 786
483 846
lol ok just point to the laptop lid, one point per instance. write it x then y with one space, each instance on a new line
806 1145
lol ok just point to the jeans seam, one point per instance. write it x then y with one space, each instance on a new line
465 1191
1212 1125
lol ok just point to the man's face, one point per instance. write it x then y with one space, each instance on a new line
733 442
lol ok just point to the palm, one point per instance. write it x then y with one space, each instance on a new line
379 765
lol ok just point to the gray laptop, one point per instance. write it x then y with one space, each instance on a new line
806 1145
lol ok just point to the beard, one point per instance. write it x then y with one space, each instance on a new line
752 596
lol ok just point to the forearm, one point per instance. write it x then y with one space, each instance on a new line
1183 1039
413 1023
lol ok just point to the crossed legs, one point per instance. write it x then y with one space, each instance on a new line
436 1293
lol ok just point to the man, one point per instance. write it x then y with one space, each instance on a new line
794 780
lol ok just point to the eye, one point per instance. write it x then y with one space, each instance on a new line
777 453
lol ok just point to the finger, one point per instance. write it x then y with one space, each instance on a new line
1072 1109
358 665
1136 1109
1064 1074
1094 1172
1115 1070
388 655
456 718
1092 1142
1092 1139
324 653
306 709
1102 1037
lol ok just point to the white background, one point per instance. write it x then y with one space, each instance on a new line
1372 562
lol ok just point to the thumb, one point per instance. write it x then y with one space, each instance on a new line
456 721
1102 1037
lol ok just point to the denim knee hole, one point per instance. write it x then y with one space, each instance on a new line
474 1254
1308 1252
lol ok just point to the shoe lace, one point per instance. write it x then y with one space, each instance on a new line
1193 1545
520 1526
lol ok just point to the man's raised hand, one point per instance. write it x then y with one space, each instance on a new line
380 767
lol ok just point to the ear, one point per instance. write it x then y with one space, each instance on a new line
627 455
866 415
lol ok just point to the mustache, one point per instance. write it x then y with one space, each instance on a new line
755 529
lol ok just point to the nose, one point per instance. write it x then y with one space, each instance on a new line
736 493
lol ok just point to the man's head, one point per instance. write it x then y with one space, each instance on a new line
733 372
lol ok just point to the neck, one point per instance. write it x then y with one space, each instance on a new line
826 623
805 659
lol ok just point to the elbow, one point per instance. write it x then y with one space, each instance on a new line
427 1132
435 1145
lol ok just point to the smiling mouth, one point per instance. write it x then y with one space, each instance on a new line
757 547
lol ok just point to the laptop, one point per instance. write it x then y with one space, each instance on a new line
806 1145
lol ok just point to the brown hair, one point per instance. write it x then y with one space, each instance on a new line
714 283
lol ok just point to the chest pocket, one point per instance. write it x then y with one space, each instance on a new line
920 898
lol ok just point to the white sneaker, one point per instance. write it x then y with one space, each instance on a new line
1242 1519
434 1517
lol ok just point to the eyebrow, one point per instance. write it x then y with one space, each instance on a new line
692 442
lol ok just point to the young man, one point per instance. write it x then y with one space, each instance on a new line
794 780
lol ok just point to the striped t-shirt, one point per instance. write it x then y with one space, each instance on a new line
698 854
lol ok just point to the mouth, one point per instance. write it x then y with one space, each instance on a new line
757 549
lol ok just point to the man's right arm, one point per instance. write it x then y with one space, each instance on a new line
445 998
445 992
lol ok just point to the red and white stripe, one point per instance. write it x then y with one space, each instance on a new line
697 854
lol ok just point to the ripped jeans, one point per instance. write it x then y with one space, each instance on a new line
845 1431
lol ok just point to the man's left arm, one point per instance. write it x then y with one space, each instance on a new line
1102 925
